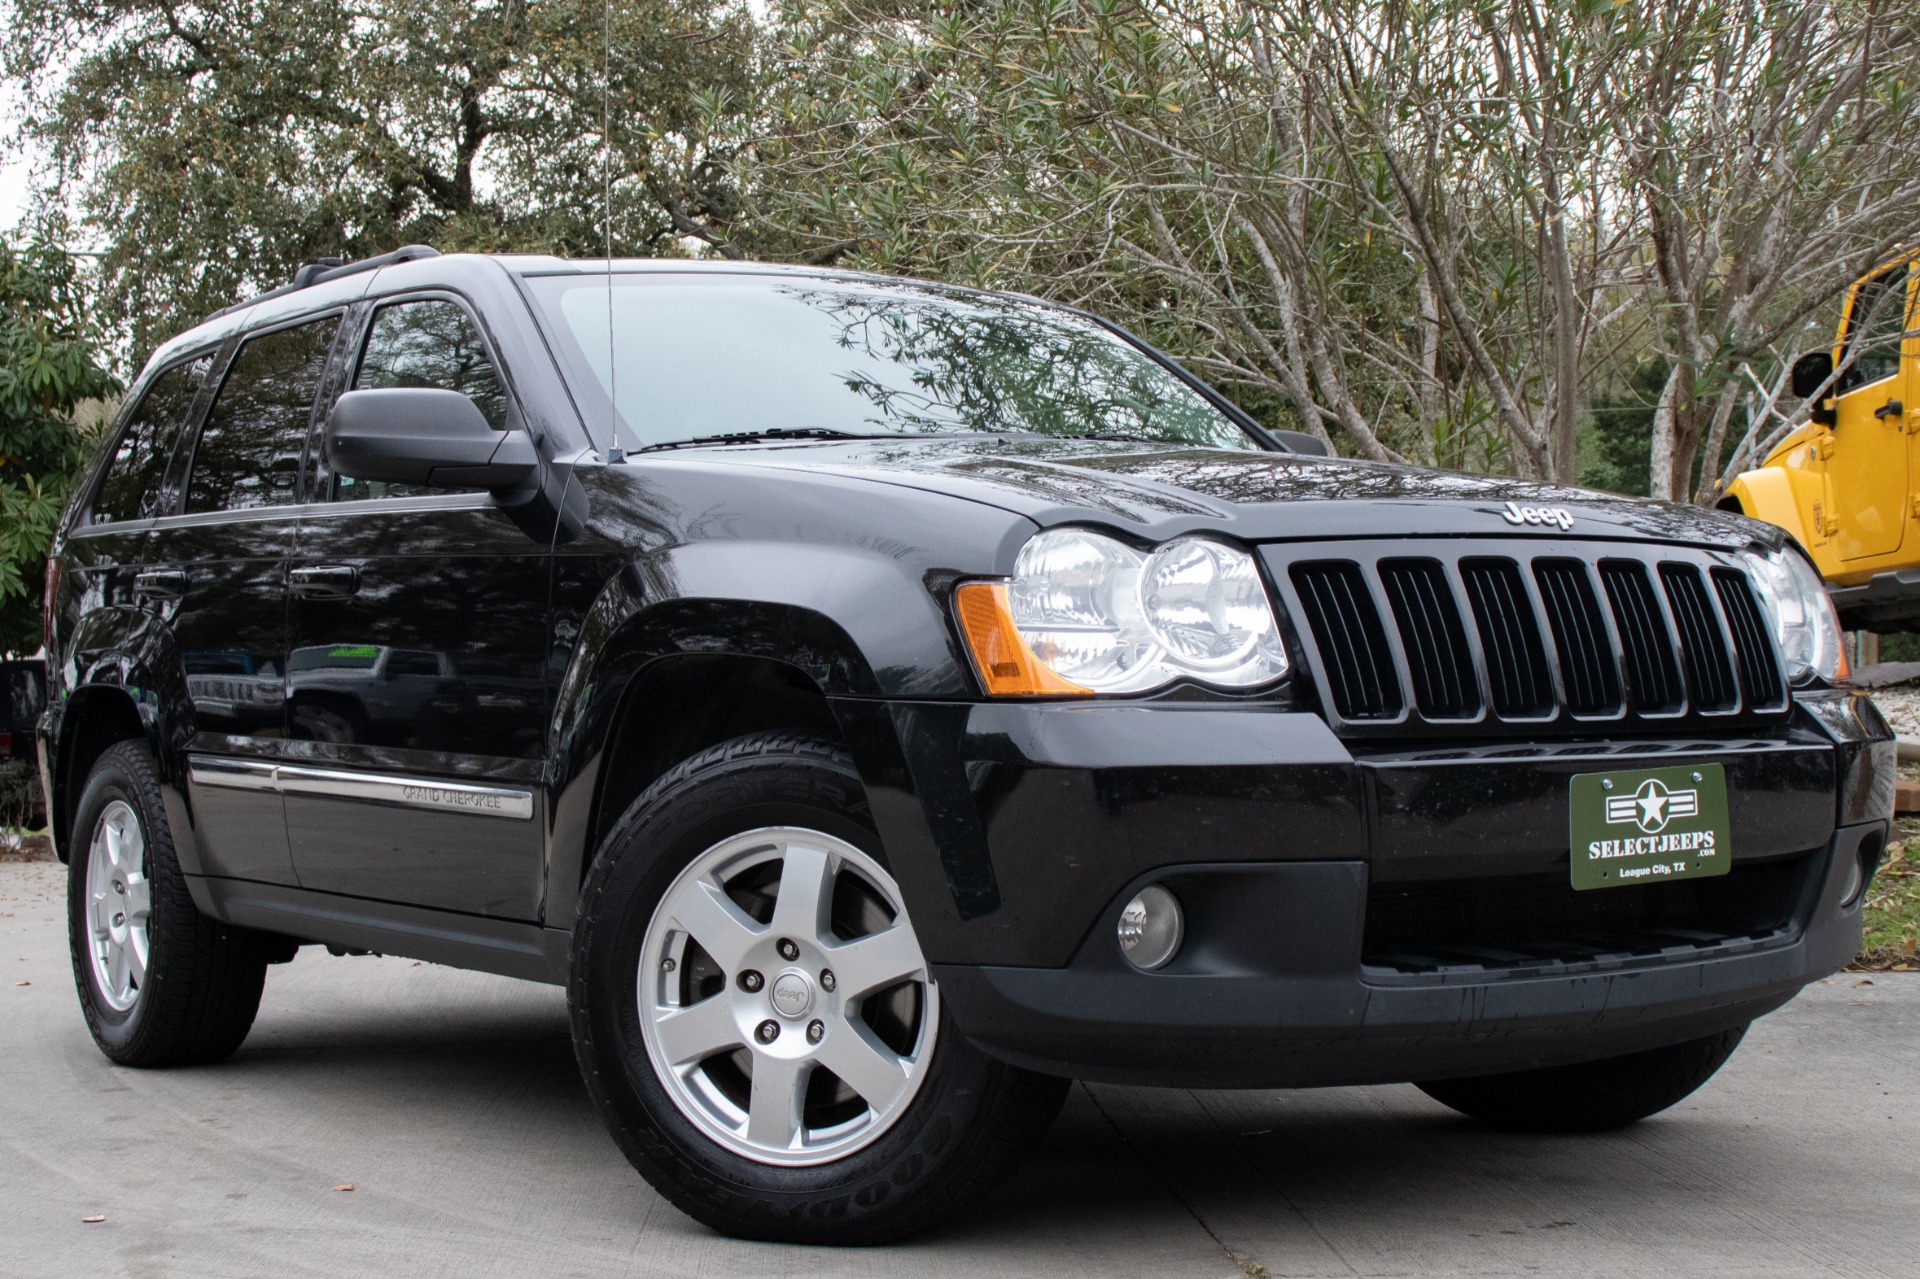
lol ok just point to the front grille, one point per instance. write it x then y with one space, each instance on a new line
1758 670
1346 626
1441 666
1535 920
1709 676
1586 658
1461 643
1644 641
1510 636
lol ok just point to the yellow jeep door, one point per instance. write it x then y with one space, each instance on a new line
1867 474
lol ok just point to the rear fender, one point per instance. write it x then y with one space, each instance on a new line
121 661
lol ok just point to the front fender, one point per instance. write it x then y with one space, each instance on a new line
1784 497
854 623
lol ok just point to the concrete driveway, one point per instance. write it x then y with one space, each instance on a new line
449 1101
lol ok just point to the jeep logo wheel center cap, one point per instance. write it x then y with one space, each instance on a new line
792 994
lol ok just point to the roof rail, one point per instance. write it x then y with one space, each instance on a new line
320 270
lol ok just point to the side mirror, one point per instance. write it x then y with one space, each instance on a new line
420 435
1811 371
1301 442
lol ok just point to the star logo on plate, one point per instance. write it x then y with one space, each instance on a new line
1652 806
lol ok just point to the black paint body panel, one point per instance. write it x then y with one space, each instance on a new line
531 623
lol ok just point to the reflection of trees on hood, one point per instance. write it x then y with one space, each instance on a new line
936 364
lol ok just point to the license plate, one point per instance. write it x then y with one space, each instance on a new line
1648 825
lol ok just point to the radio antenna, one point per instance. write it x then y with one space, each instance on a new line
614 451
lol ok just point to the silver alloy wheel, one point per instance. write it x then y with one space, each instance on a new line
793 998
119 902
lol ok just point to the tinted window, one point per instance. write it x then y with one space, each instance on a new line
1875 326
131 489
406 662
249 453
430 344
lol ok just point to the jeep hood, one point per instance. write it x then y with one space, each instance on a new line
1157 492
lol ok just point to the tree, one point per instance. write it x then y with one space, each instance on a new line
1770 146
210 148
48 368
1425 228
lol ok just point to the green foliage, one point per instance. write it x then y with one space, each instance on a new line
209 148
47 368
1620 433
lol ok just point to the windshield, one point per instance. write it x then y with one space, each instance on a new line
682 358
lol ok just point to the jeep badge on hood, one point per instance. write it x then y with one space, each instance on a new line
1517 514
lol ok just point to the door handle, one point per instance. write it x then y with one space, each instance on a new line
1892 408
161 584
324 581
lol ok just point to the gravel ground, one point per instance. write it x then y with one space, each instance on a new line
1901 705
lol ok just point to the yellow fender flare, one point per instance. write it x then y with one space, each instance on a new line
1768 494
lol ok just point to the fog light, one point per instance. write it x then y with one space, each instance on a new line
1856 879
1151 928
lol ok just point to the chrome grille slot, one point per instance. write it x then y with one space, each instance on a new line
1702 643
1652 674
1510 637
1759 668
1579 637
1353 645
1432 636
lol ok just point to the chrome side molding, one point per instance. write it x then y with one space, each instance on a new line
379 788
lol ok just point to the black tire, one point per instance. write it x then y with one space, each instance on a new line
1589 1096
203 978
970 1124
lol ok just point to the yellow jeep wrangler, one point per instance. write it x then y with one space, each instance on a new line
1843 483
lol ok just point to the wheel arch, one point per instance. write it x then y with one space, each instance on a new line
123 680
651 688
94 718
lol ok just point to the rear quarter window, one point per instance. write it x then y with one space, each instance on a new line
130 490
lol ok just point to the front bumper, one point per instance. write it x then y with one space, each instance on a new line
1292 1006
1018 832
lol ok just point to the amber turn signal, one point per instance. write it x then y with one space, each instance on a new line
1007 666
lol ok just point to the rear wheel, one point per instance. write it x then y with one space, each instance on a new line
1589 1096
755 1019
160 983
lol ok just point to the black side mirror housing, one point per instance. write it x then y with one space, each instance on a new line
1301 442
422 435
1811 371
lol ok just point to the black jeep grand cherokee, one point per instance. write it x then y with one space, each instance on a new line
879 703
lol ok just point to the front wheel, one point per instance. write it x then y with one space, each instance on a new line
1589 1096
755 1019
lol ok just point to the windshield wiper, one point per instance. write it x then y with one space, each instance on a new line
757 437
1121 436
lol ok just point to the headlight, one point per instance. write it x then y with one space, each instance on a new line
1085 613
1795 602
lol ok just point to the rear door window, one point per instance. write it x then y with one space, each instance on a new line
429 343
249 453
130 489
